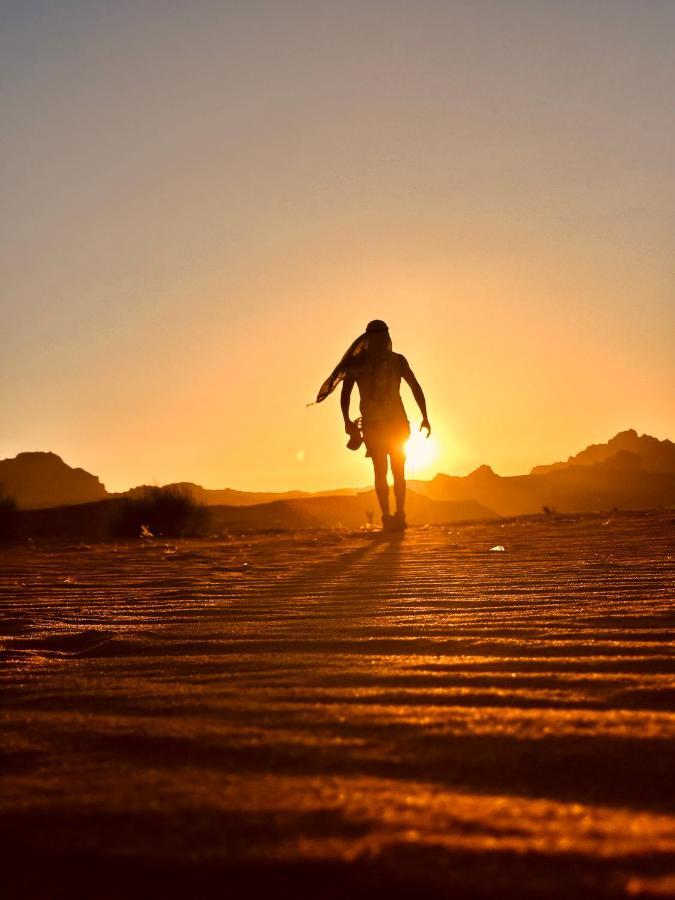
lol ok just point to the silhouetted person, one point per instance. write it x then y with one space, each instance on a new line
377 370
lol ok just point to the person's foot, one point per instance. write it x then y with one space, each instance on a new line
396 522
400 523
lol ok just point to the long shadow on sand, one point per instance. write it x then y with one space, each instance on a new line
399 871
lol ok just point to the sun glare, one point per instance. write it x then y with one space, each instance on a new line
421 453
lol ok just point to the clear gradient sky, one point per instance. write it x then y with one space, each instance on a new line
205 202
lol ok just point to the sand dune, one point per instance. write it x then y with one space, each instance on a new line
341 714
95 521
352 511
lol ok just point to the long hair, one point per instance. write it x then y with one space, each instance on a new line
369 350
378 346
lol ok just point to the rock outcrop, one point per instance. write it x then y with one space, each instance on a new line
39 480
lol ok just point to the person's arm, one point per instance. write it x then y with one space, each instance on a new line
417 392
345 397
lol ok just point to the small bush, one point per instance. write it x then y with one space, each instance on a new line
9 516
160 512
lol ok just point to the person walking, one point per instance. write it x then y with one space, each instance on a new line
383 426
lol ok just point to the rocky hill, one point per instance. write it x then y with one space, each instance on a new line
232 497
619 481
654 455
39 480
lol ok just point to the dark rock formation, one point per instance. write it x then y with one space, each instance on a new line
36 480
656 455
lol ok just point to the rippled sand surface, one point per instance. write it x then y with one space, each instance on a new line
342 714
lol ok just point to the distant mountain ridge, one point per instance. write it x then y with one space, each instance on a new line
630 471
619 482
655 455
232 497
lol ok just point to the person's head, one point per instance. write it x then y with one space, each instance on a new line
369 349
379 341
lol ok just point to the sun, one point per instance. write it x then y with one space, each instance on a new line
421 452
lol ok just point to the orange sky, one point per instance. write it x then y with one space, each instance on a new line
205 203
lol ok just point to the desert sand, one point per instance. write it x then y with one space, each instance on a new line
343 714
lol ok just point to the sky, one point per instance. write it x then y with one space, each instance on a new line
205 202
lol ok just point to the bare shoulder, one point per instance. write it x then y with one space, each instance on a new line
403 362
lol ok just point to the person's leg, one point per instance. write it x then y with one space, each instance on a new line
398 471
381 486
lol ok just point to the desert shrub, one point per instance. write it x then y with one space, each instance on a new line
160 512
8 516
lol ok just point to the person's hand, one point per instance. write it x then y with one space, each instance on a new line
349 426
425 424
